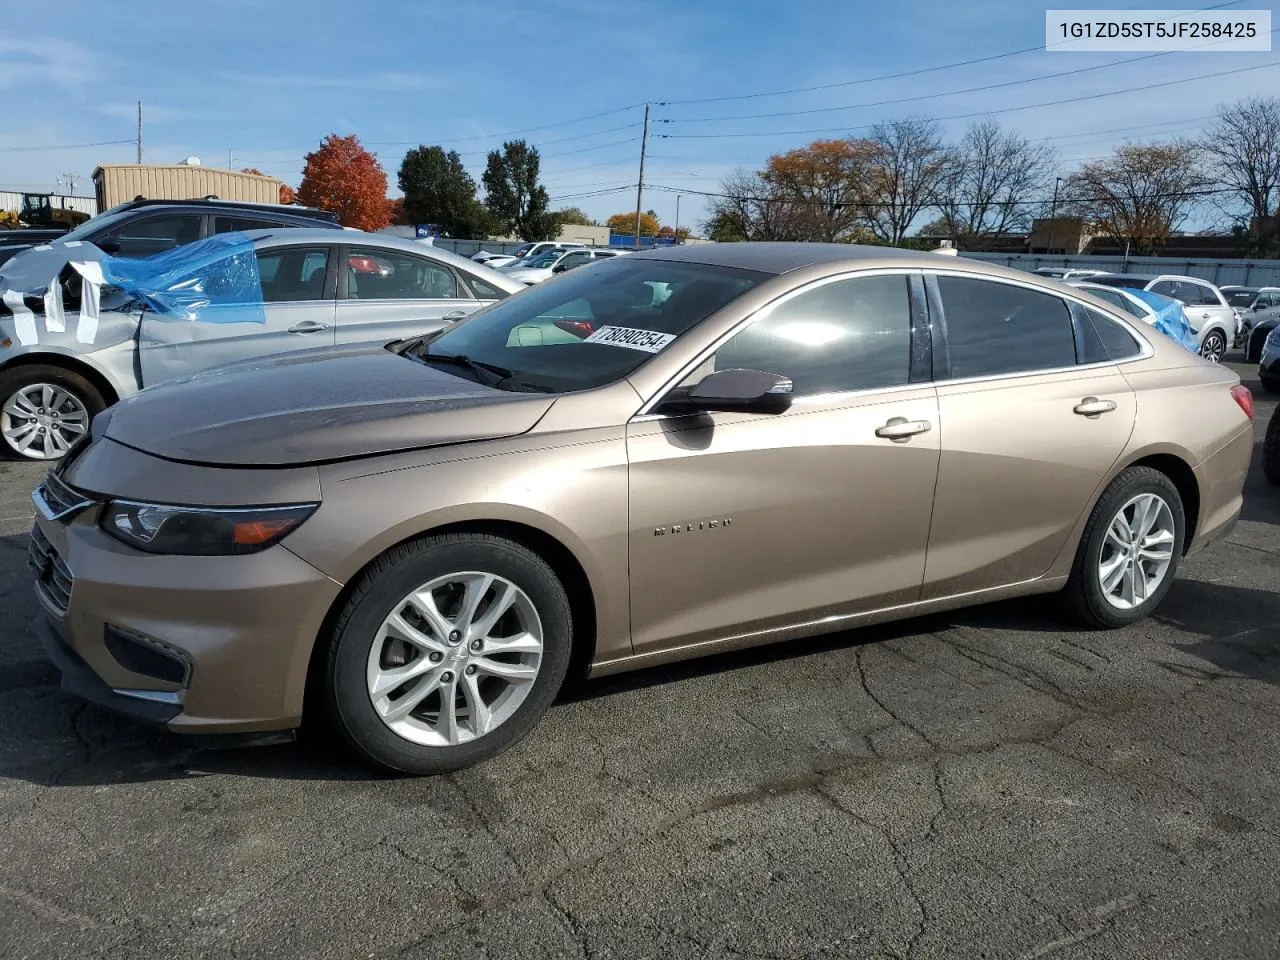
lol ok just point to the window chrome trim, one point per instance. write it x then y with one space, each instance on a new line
646 413
1145 352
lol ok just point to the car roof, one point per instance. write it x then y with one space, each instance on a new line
778 258
216 203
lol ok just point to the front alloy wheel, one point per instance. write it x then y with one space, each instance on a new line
42 420
455 659
449 650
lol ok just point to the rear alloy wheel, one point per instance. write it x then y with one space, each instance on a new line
1271 449
1129 553
448 652
1214 347
44 410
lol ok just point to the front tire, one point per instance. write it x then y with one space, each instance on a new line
450 650
1271 450
1129 552
1214 347
44 409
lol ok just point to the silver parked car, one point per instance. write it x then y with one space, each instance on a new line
319 288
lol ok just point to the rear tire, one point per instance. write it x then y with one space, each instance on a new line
427 723
30 430
1086 592
1271 450
1214 346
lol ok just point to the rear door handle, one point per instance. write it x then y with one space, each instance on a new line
1093 407
900 429
308 326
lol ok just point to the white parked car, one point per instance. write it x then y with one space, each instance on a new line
539 268
1214 321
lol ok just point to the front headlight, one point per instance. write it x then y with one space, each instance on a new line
200 531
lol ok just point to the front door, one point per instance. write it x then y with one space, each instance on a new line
749 522
298 306
1030 426
385 294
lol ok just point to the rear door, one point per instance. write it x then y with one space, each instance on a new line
298 291
1030 421
385 294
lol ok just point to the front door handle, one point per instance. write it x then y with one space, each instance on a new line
1093 407
308 326
455 315
900 429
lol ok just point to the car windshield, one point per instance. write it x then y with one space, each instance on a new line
593 327
1240 298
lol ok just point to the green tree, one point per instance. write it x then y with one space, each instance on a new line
575 215
514 198
437 189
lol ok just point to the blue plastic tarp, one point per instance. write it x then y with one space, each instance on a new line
1170 318
213 280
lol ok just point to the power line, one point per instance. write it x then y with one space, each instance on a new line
980 113
936 96
68 146
993 203
897 76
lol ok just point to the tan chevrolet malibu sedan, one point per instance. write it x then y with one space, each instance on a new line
659 456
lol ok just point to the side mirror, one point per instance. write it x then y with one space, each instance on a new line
741 391
560 268
1259 306
108 246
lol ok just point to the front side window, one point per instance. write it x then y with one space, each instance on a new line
293 274
1169 289
389 275
593 327
852 334
997 328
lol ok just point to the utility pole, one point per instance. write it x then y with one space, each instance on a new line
1053 214
677 218
231 159
139 133
644 144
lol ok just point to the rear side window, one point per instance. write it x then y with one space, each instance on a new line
996 328
1103 340
1117 299
1204 296
485 291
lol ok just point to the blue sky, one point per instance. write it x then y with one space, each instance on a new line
267 80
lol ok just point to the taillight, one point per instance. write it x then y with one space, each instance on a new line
1241 395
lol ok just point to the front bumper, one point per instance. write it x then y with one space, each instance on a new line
243 627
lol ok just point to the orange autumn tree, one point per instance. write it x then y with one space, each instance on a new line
625 223
345 178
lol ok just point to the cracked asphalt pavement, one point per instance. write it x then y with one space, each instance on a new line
988 783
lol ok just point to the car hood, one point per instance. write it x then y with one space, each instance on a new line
33 268
315 406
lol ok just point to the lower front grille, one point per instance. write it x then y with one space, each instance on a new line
53 576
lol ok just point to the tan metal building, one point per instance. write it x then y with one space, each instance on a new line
119 183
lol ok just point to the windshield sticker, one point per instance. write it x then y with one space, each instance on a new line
650 341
